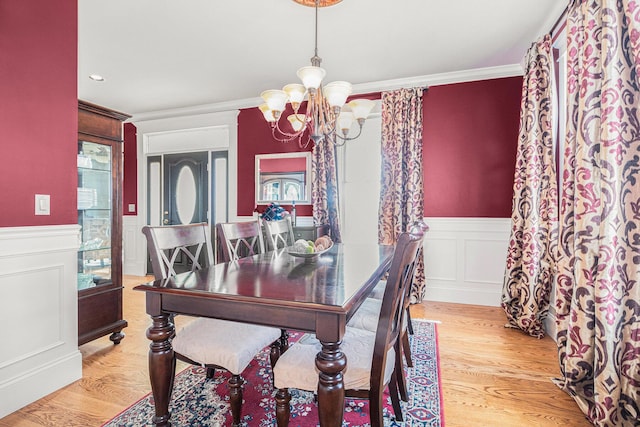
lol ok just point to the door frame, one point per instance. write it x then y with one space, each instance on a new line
180 133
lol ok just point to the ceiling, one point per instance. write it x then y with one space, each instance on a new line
158 55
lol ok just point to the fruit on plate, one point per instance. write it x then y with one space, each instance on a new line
322 243
309 247
300 246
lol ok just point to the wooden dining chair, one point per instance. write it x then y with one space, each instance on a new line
368 313
370 355
279 233
212 343
240 239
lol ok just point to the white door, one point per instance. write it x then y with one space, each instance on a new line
359 175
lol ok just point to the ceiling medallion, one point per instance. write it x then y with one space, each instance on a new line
321 3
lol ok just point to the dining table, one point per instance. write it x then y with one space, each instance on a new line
316 294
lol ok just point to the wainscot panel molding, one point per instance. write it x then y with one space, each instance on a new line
132 246
38 288
465 259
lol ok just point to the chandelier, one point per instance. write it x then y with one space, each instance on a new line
327 116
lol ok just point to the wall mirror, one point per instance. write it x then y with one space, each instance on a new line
283 178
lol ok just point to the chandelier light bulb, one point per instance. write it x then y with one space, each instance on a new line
267 113
295 92
275 99
311 76
345 120
361 108
297 121
336 93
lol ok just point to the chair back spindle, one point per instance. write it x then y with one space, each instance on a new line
240 239
279 233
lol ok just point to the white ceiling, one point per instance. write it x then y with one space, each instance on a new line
168 54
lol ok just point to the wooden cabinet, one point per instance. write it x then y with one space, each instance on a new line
310 232
100 219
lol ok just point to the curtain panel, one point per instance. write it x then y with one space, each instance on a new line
534 218
598 289
324 187
401 190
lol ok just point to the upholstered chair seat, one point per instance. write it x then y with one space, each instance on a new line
296 366
242 342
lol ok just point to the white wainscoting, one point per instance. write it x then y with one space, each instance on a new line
39 302
133 247
465 259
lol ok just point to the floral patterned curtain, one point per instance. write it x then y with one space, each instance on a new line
402 192
324 187
534 218
598 286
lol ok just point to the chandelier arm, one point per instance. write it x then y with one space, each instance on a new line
282 136
346 138
286 134
286 137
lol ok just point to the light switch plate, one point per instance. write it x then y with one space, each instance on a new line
43 204
132 207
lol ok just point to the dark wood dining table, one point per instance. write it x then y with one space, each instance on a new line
273 289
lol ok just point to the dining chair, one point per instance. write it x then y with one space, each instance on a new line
212 343
368 313
279 233
370 355
240 239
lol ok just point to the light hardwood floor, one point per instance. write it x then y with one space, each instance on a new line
491 375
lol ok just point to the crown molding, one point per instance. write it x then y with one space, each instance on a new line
442 78
417 81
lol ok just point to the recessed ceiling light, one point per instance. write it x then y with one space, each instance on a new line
96 77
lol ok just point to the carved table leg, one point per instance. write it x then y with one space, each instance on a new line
331 363
162 367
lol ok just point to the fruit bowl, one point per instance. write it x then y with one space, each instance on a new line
308 257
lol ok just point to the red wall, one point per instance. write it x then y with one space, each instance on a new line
254 137
470 136
130 169
38 110
295 164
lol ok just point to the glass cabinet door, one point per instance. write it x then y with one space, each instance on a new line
95 194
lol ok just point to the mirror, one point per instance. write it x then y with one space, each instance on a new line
283 178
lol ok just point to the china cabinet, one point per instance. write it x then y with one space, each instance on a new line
100 220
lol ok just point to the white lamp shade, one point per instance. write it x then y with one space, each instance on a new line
295 92
345 120
361 107
275 99
311 76
336 93
267 113
297 121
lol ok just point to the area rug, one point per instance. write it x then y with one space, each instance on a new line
198 401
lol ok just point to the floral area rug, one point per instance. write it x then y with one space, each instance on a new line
198 401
